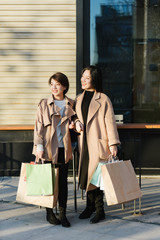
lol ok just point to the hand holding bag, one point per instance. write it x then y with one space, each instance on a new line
120 182
44 201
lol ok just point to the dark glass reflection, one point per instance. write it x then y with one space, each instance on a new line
125 43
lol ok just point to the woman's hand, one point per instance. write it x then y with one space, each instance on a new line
113 150
71 125
79 127
39 155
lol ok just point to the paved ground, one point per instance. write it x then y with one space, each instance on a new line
27 222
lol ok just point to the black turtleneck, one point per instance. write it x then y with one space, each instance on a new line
85 159
85 104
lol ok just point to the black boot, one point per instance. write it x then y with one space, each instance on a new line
51 218
62 217
100 215
90 208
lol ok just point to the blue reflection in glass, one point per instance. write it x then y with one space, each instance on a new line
123 7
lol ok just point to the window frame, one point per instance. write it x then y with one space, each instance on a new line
83 39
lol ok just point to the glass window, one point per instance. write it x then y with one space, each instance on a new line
125 44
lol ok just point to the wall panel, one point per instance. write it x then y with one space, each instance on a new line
37 38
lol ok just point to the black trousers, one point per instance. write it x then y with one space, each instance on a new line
63 179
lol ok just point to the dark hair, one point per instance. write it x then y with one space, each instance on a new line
62 79
96 77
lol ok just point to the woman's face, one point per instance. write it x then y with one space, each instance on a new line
86 80
57 89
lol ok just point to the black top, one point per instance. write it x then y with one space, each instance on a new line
85 159
85 104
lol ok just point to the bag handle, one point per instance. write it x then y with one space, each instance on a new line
112 159
38 160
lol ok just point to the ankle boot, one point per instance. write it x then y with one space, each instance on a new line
90 208
99 204
51 218
62 217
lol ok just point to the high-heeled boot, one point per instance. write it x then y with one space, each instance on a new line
51 218
99 204
90 205
62 217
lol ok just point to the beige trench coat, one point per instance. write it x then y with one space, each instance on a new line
101 131
45 131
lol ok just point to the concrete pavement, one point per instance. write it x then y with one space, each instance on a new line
28 222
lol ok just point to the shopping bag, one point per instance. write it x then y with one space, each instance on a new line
120 182
40 179
96 178
44 201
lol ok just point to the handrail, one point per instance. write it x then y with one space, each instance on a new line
119 126
16 127
138 126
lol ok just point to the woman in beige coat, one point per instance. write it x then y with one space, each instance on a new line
52 140
97 140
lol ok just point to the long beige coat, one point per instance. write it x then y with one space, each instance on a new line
101 131
45 131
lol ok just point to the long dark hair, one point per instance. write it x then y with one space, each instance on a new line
62 79
96 77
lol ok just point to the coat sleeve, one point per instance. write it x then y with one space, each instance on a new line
111 127
39 127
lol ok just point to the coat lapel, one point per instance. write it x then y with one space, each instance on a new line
78 106
69 112
53 110
94 106
50 103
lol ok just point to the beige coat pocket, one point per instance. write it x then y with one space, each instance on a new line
103 149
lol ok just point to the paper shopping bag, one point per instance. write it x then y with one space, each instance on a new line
44 201
40 179
120 182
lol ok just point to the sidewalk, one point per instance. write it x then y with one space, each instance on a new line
27 222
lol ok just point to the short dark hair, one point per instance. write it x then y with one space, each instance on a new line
62 79
96 77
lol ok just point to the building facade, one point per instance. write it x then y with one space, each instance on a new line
122 37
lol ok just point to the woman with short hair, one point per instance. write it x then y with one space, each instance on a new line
52 140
